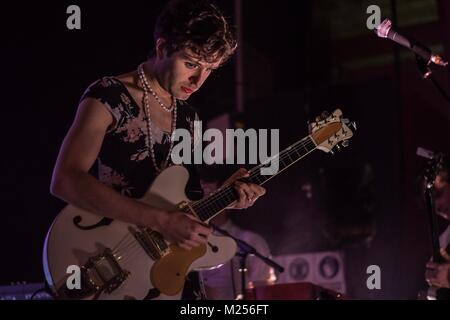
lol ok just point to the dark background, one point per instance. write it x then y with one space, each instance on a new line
299 59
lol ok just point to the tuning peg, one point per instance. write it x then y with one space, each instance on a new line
338 147
345 143
353 124
332 152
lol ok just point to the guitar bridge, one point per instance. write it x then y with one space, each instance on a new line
103 273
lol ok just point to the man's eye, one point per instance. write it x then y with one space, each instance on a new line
190 65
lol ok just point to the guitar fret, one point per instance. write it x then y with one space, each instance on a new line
216 206
223 203
199 211
217 202
257 178
290 159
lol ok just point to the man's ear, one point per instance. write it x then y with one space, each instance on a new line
161 48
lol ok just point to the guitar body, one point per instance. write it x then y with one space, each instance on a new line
118 260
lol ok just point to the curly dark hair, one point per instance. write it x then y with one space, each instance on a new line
197 25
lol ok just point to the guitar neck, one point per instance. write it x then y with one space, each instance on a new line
222 198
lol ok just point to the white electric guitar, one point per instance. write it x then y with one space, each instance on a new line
119 260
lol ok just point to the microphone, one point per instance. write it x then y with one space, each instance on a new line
384 30
424 153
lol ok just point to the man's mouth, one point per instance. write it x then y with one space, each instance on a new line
187 90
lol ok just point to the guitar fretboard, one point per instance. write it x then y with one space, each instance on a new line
222 198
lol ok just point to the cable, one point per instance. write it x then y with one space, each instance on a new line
37 291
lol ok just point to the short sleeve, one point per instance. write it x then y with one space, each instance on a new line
109 92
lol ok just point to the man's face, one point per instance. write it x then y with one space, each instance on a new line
183 73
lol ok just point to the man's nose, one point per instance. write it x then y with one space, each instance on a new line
198 78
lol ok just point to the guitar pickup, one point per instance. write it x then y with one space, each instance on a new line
152 242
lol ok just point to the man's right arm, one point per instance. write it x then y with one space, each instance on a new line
72 182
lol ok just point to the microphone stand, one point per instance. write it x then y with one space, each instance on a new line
246 249
422 53
426 73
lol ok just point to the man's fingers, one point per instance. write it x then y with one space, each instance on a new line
241 202
241 173
257 191
200 226
184 246
260 190
246 188
198 238
244 195
192 242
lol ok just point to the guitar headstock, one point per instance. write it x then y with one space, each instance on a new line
331 130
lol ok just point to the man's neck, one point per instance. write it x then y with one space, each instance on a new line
154 77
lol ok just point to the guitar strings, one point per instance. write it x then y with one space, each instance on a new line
128 242
122 242
221 194
129 255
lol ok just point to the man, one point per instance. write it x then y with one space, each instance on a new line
225 282
438 274
125 124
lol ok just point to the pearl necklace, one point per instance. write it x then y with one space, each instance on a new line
147 86
149 137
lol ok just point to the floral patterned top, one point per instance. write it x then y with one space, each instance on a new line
124 161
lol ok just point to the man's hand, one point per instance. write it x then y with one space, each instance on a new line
182 229
438 274
248 192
